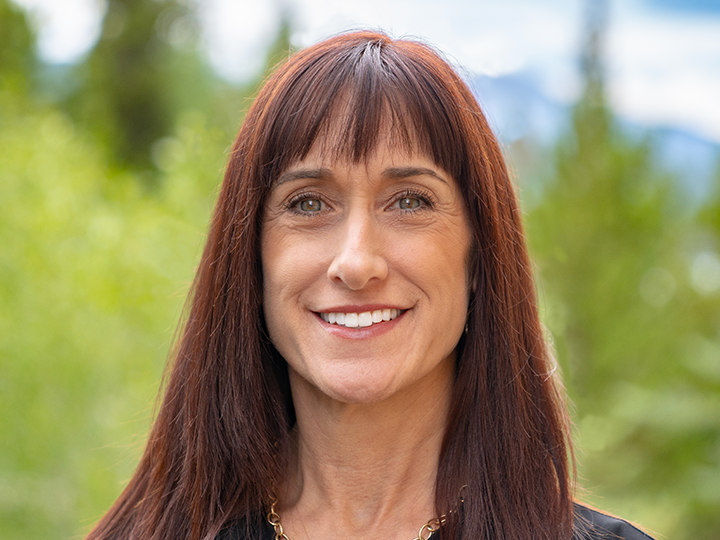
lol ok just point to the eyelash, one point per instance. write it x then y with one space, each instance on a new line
300 197
426 199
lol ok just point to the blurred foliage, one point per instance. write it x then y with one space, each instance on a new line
105 191
93 273
143 70
129 77
94 269
17 61
630 281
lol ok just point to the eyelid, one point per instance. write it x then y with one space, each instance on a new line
293 201
426 197
415 193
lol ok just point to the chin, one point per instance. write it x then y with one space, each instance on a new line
359 390
350 385
359 396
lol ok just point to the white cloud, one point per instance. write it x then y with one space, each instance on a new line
664 69
67 29
237 35
483 36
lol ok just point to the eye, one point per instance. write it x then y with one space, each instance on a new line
409 203
412 200
309 205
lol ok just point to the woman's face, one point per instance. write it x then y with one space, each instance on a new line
364 269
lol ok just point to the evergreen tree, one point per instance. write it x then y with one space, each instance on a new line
17 58
144 69
610 238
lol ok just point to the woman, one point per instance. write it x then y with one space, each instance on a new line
362 355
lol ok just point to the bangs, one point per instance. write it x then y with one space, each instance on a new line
349 100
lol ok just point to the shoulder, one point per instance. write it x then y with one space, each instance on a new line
593 525
240 531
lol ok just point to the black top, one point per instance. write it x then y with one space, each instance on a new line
592 525
589 525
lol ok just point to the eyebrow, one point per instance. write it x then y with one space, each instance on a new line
392 173
320 174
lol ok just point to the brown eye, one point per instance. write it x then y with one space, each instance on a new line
409 203
310 205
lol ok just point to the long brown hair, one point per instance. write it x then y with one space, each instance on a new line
218 442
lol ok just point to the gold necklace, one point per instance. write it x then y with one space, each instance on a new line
428 529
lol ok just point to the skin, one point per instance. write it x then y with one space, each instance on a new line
371 403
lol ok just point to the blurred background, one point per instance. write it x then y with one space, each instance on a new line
115 121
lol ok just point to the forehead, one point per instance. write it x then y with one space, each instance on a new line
383 167
385 158
330 148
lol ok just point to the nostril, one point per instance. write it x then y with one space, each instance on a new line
356 272
359 259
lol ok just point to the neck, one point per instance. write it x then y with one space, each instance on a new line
366 469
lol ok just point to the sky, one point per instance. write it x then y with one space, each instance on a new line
663 56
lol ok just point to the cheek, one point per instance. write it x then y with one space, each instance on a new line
278 250
452 273
273 258
291 263
440 259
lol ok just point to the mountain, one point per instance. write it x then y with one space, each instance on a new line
523 115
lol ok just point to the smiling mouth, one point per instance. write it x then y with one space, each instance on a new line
361 320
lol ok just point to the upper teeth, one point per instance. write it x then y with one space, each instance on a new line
367 318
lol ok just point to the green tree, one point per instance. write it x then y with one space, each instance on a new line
94 269
93 274
142 73
610 236
17 58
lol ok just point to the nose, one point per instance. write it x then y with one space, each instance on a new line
359 259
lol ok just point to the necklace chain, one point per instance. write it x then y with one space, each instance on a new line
426 531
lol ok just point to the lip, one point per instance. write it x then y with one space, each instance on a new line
376 329
358 308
